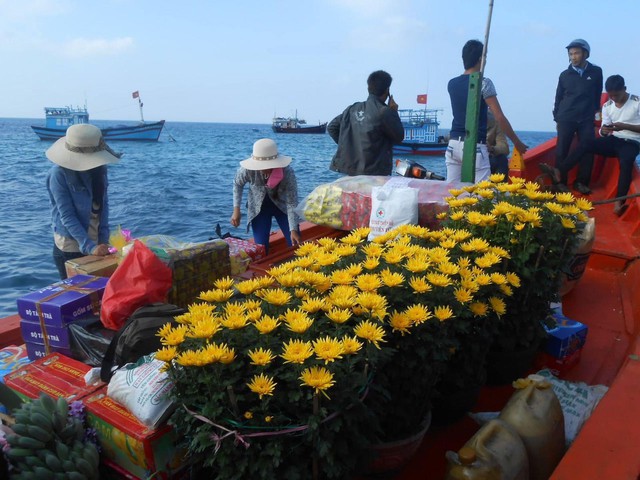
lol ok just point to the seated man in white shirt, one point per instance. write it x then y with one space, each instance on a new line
620 138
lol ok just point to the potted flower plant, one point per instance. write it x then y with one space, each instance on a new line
540 231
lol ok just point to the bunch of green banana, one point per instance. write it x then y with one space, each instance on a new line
48 444
323 206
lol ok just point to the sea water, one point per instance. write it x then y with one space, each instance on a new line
181 186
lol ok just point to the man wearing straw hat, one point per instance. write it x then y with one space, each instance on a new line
273 193
77 186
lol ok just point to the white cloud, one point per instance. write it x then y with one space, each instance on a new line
28 9
86 47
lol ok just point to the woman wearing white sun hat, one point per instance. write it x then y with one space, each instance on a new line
77 186
273 193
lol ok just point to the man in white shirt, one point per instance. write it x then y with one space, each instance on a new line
620 138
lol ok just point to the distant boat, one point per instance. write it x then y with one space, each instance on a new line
58 119
296 125
420 133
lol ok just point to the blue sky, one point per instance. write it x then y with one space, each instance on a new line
243 61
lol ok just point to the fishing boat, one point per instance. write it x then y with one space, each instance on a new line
58 119
420 133
296 125
607 299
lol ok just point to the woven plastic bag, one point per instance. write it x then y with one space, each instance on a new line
140 279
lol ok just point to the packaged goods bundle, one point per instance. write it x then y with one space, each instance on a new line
243 252
195 266
346 203
45 315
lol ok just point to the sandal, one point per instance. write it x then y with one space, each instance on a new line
618 211
551 171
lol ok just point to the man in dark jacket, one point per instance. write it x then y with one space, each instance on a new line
577 101
366 131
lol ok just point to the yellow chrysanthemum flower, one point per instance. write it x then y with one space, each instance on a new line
354 269
371 301
290 279
370 332
235 322
296 351
266 324
341 277
275 296
247 287
305 249
456 192
318 378
216 295
368 282
419 284
443 313
164 329
417 263
497 305
393 256
418 313
235 308
352 239
298 321
224 283
166 354
252 303
328 243
496 177
254 314
371 263
438 279
400 322
216 352
262 385
188 358
345 250
584 204
568 223
205 328
455 202
228 356
351 345
339 315
479 309
554 208
455 216
498 278
327 349
565 197
175 336
513 279
391 279
487 260
463 295
248 415
506 290
312 304
474 218
261 356
301 293
475 245
448 268
485 193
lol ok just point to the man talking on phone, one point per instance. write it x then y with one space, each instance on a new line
366 131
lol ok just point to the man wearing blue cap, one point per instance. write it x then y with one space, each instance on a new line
577 101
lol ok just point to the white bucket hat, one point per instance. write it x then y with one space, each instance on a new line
265 156
82 148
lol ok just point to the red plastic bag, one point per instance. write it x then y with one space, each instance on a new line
140 279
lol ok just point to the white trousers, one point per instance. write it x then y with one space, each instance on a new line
453 160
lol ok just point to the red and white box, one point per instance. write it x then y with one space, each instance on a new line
242 253
56 375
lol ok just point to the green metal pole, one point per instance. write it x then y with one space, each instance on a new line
468 173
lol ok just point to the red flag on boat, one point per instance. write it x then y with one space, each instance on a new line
422 99
136 94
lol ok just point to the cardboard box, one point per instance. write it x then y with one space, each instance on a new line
56 375
195 269
58 304
36 351
57 336
92 265
12 358
566 338
129 444
242 253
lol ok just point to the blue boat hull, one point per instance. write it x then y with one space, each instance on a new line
426 149
145 132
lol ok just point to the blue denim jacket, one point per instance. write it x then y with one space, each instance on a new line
71 196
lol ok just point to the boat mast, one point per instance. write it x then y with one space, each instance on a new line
468 173
136 94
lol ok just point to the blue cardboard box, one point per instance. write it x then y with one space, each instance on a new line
568 337
63 302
